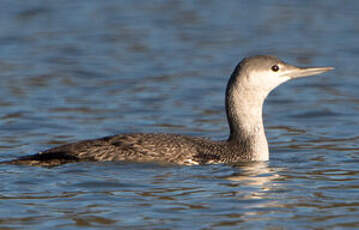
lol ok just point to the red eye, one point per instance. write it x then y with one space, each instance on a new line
275 68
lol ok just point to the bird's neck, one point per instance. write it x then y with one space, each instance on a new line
244 114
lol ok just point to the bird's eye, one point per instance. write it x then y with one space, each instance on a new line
275 68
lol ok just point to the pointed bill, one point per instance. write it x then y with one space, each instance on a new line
296 72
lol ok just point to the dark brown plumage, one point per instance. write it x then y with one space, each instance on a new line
140 147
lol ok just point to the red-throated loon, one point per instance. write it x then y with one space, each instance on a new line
250 83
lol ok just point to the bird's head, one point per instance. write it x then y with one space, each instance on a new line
262 73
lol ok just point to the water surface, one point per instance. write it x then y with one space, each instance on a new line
72 70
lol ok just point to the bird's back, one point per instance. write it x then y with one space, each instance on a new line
140 147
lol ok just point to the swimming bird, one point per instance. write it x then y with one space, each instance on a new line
248 86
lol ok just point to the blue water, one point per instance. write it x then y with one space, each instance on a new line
72 70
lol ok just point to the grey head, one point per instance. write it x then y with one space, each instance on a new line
262 73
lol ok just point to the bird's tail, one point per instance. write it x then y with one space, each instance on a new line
42 159
19 161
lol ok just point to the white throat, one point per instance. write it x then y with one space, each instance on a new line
250 124
244 113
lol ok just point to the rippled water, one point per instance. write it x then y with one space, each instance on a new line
71 70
